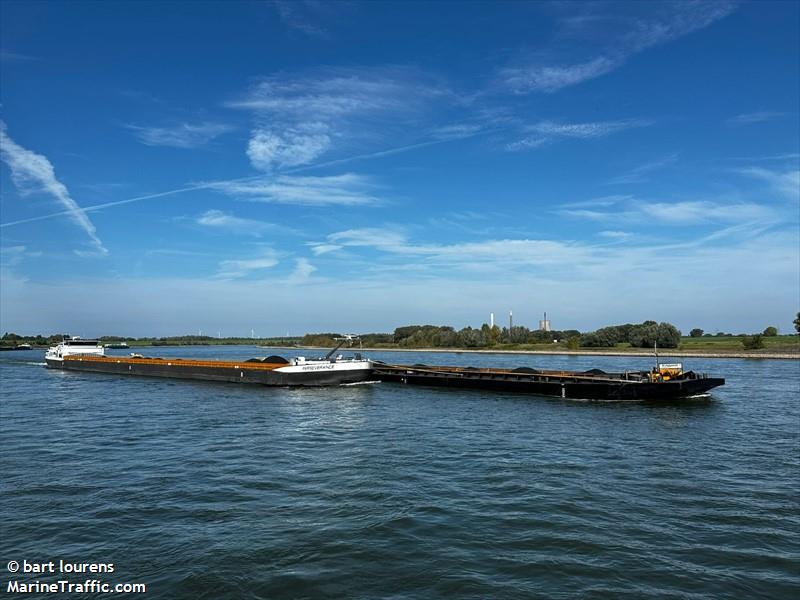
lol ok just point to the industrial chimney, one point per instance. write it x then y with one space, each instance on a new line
544 324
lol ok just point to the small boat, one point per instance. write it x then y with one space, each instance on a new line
75 354
117 346
663 382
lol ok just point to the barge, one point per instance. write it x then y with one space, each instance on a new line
76 354
664 382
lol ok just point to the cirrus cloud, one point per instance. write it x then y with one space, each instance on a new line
545 132
182 135
217 219
621 35
298 119
348 189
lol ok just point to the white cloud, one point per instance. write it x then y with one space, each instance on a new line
673 20
11 257
345 189
218 219
528 143
297 119
182 135
785 183
320 248
790 156
339 92
712 288
702 211
33 173
268 150
623 37
512 252
585 130
388 239
266 258
6 56
303 269
12 254
458 131
303 15
551 78
641 173
348 189
550 131
754 117
583 213
601 202
509 252
387 252
688 212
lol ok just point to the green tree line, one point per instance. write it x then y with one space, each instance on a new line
641 335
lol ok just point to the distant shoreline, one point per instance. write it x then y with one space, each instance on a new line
667 352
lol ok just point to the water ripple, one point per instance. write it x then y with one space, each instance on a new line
221 491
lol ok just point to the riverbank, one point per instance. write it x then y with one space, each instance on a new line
671 352
560 351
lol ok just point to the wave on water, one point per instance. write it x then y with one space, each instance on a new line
672 401
34 363
225 491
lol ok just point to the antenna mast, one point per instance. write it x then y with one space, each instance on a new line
655 351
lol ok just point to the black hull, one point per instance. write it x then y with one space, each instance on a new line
230 374
564 387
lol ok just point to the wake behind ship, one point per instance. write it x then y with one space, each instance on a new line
76 354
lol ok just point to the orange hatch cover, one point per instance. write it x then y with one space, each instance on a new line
179 362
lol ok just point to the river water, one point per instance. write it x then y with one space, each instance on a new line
204 490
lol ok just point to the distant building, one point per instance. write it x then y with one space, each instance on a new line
544 324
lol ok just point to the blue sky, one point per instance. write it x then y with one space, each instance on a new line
305 166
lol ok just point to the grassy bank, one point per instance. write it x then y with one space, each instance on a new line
788 345
778 346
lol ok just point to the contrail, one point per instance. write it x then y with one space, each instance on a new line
120 202
399 149
206 185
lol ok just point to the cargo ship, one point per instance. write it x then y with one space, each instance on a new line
663 382
76 354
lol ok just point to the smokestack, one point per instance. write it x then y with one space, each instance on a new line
491 319
510 321
544 324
